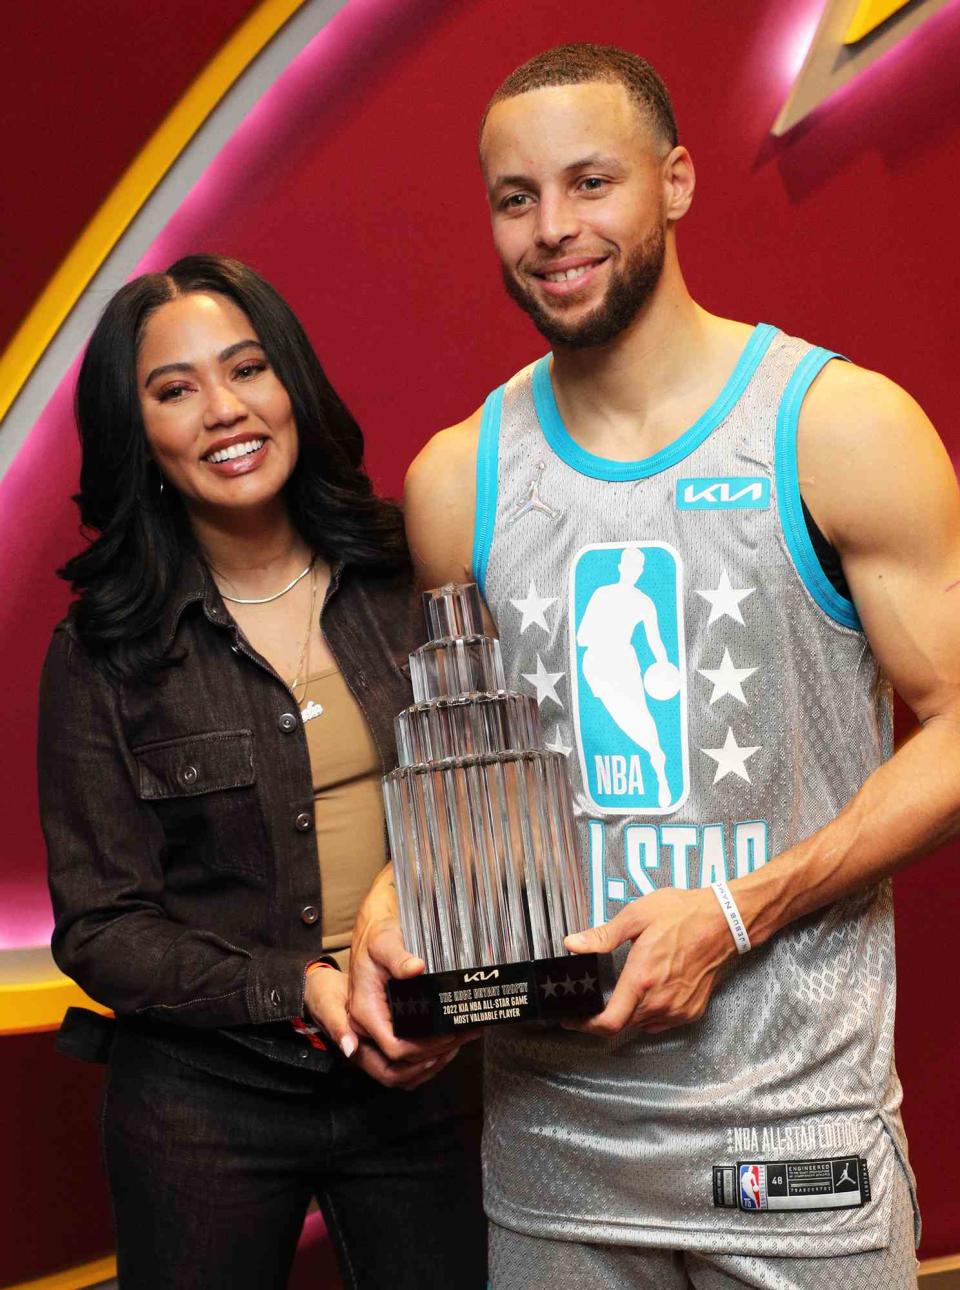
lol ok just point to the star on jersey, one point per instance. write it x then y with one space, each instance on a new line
544 682
725 600
557 744
727 679
534 609
731 758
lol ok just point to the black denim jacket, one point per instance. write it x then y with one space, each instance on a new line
179 816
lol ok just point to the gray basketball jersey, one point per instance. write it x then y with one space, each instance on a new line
717 702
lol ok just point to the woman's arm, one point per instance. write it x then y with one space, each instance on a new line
105 849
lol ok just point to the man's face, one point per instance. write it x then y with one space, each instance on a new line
575 180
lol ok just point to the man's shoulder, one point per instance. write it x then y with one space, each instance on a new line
851 411
449 453
865 449
845 394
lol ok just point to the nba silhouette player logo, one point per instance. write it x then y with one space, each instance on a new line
629 676
750 1196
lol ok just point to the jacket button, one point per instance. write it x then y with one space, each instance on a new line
304 822
287 722
189 775
309 914
275 997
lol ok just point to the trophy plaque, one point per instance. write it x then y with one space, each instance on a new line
483 842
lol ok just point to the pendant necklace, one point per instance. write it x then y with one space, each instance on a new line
311 709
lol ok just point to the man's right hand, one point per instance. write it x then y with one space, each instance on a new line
377 954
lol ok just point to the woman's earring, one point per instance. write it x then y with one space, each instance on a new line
161 484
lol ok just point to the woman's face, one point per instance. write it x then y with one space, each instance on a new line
219 423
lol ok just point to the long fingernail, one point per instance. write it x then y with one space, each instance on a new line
348 1046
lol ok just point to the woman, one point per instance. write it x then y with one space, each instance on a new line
216 713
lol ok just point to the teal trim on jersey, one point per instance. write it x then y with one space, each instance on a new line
588 463
485 513
801 549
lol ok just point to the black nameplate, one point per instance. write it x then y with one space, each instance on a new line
539 990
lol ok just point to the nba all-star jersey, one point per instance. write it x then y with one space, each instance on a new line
717 702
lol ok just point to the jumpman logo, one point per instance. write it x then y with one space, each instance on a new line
612 669
845 1176
533 501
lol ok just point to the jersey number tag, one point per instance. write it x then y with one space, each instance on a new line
629 675
757 1185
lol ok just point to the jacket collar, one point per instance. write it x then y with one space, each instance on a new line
193 584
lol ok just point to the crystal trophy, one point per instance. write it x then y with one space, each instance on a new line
483 842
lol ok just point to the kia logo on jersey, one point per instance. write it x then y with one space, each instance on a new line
731 493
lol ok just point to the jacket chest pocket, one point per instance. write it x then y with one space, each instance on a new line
204 790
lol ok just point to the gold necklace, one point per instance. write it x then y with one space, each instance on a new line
266 600
303 666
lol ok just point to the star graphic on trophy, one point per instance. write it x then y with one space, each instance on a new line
588 983
568 985
549 988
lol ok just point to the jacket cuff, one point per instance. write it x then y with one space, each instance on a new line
275 985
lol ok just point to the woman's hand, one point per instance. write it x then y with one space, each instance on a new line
377 954
325 1001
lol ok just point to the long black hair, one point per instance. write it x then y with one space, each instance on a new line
139 534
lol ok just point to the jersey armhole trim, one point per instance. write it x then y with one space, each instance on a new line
485 513
801 548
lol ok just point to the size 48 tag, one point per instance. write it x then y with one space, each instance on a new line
758 1185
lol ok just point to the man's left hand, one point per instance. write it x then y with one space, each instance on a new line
680 942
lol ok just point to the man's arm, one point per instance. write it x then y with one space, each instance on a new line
881 487
439 498
439 503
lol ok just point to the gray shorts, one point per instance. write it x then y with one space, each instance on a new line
519 1262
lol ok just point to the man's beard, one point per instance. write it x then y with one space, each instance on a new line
628 292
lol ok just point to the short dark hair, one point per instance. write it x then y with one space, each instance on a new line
576 64
139 537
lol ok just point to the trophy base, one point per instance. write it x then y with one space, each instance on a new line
440 1003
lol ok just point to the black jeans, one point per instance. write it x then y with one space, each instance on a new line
211 1179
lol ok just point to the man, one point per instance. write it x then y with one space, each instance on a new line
731 1118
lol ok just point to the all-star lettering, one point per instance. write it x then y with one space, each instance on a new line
671 855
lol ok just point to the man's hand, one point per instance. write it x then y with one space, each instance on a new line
377 954
680 942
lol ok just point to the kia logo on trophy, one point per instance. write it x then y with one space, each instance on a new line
483 841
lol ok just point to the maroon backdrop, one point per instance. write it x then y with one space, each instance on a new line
365 207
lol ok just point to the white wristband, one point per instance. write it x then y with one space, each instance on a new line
736 924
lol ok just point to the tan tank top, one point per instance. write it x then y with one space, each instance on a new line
348 805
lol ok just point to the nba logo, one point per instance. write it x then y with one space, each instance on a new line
750 1186
628 668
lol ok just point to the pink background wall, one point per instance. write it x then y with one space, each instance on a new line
354 188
